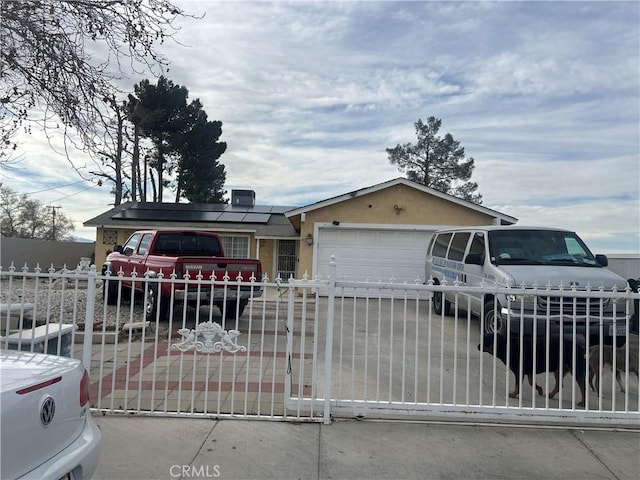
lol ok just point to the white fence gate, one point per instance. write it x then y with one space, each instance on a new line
373 350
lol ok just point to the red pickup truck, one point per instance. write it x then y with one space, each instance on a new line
156 253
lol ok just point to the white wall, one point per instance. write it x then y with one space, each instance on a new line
32 252
627 265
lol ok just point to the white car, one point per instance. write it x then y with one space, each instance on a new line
46 429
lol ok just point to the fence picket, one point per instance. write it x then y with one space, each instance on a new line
370 349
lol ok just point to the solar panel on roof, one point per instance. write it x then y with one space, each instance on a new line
256 218
206 207
213 207
208 216
264 209
232 217
186 212
169 216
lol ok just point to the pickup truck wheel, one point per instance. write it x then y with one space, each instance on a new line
230 313
492 322
111 291
151 306
109 287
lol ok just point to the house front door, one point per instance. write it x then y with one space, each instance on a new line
286 259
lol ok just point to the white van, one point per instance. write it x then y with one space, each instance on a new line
513 256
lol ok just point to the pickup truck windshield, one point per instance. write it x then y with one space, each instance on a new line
538 247
186 244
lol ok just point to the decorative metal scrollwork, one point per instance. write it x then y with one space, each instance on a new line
203 339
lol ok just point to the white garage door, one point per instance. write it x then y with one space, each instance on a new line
373 253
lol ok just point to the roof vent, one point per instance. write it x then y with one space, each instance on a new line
243 198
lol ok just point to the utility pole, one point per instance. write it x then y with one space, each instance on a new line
53 225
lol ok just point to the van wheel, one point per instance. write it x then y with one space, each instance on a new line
438 300
152 305
492 322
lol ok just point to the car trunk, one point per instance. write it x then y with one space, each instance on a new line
52 394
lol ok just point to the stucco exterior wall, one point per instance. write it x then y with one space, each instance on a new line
104 246
400 205
266 256
396 204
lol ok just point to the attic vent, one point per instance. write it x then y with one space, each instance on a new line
244 198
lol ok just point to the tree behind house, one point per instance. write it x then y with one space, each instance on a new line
436 162
200 178
185 143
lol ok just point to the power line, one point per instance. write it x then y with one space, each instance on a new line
56 188
17 194
70 195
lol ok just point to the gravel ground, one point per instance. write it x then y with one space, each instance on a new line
64 300
61 300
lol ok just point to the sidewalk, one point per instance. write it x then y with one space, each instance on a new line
163 448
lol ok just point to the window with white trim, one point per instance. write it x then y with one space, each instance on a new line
235 246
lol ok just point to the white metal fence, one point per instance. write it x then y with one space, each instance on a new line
365 349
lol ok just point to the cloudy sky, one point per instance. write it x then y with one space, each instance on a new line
545 96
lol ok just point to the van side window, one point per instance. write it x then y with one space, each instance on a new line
441 245
458 246
431 240
477 246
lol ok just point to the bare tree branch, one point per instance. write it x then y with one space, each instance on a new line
64 56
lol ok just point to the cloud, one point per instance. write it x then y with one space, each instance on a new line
543 95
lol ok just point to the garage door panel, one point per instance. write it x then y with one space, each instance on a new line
373 254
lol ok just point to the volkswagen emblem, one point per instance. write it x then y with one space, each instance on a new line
47 411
